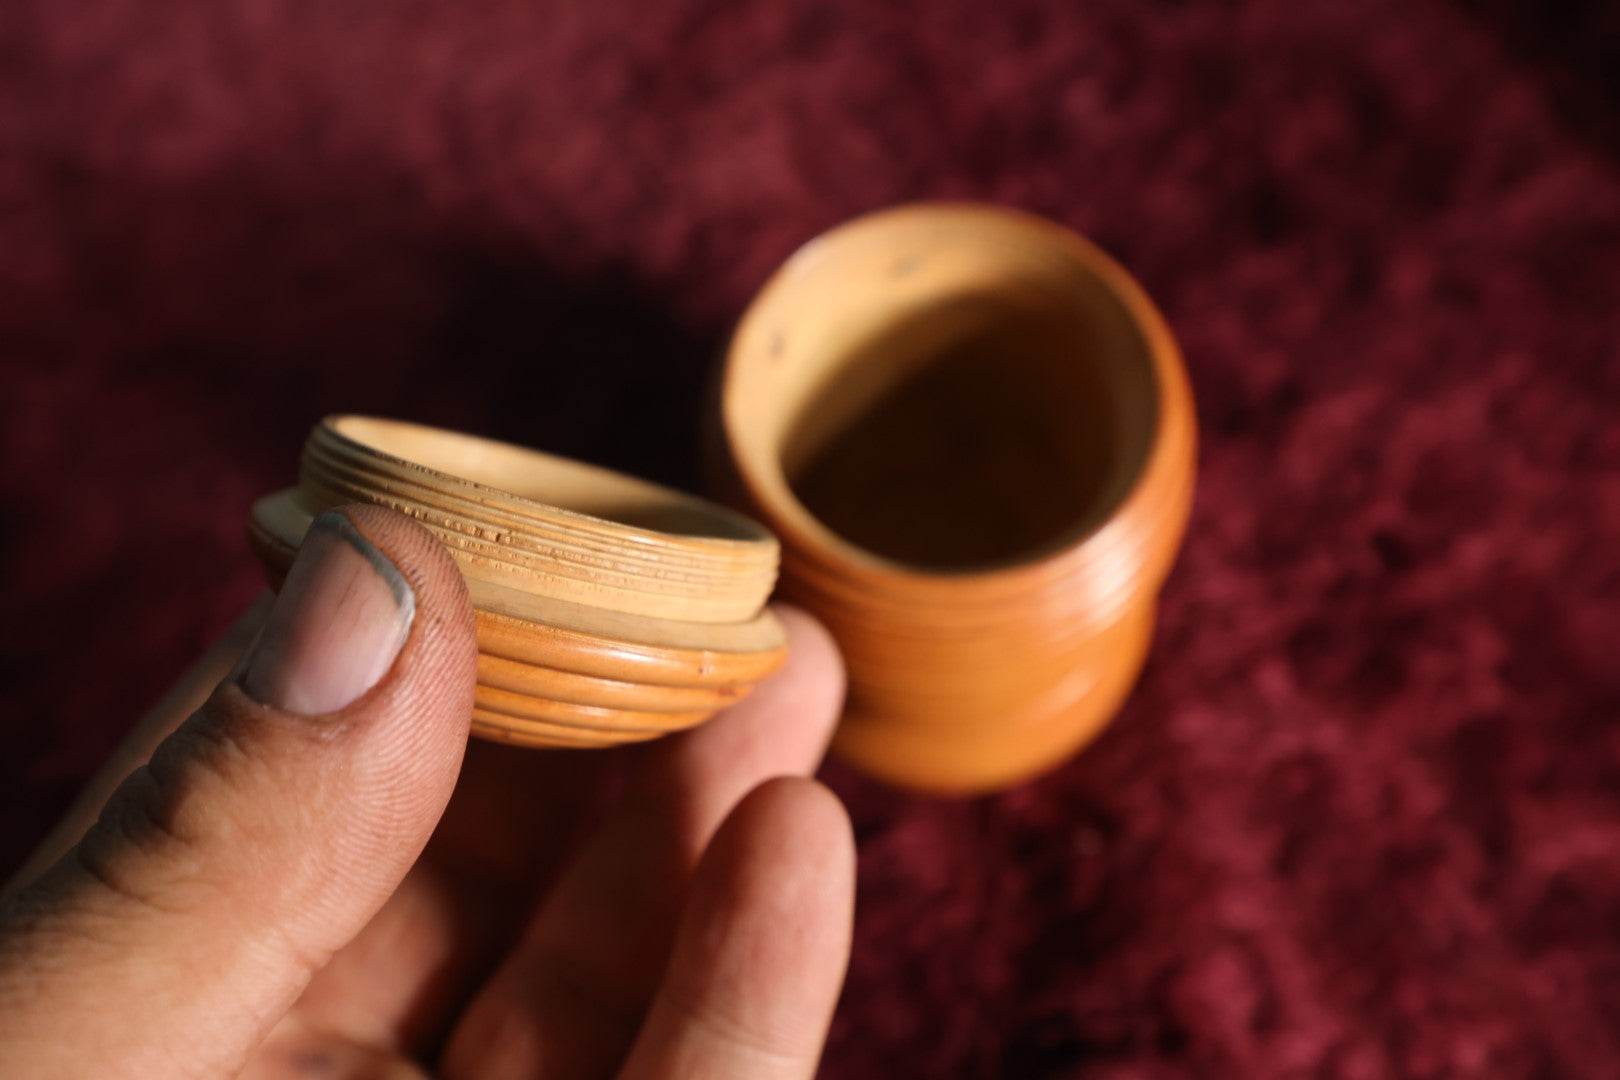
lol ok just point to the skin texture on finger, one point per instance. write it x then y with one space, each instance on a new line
515 818
257 841
184 698
570 998
294 1051
763 945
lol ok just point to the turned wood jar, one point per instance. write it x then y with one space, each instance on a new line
609 610
972 433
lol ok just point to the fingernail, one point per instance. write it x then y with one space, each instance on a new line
337 626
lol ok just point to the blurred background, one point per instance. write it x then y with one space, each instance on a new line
1362 817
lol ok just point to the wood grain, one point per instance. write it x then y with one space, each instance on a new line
609 610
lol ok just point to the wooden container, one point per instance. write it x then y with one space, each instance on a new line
973 435
609 610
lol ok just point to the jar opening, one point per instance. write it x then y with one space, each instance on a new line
974 431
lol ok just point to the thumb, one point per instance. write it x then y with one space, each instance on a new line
264 833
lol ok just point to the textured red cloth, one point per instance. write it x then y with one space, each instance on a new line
1362 818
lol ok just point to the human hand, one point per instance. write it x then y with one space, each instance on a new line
297 884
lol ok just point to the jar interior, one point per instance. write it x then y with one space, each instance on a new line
975 431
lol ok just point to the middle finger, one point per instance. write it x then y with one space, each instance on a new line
568 1001
514 819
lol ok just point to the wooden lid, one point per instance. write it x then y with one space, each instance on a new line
609 609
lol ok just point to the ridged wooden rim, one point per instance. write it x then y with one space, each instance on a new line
276 528
498 728
719 571
658 665
578 688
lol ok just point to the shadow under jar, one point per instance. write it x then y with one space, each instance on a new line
972 433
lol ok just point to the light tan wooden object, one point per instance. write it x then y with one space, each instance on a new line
973 434
609 609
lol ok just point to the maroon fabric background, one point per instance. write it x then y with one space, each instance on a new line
1362 818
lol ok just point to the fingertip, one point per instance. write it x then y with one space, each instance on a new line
270 827
785 856
813 659
789 849
399 730
414 721
444 627
787 824
429 689
763 944
375 771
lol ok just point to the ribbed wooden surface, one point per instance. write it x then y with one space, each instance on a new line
592 630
